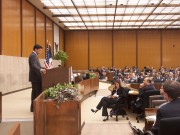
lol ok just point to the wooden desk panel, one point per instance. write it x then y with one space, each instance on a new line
149 112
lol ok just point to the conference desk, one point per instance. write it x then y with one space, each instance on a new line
150 114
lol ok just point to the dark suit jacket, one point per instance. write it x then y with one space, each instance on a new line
146 88
121 92
34 68
171 109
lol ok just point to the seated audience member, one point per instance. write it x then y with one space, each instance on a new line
138 105
158 78
171 93
118 92
145 86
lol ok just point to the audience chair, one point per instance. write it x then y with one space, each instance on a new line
154 97
168 126
157 103
119 108
145 104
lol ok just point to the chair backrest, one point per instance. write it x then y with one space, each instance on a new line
170 126
146 95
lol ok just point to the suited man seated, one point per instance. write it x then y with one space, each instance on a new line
138 105
158 78
171 93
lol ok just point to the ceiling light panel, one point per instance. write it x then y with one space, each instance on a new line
47 2
175 10
110 17
138 10
175 2
86 18
143 2
89 2
102 18
82 10
110 10
67 2
167 10
101 3
148 9
63 11
54 11
120 10
56 2
122 2
167 17
132 2
69 18
101 10
129 10
72 11
91 10
62 18
166 1
77 18
94 18
159 9
118 17
175 17
79 3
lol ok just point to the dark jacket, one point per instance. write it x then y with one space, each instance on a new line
34 68
121 92
171 109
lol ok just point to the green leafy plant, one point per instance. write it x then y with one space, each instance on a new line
61 55
62 93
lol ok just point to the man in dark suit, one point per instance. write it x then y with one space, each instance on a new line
171 92
35 71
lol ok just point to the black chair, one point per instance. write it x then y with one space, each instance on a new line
119 108
168 126
145 102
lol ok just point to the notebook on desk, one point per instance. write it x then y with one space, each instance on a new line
135 130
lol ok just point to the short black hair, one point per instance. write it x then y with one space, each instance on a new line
172 88
36 46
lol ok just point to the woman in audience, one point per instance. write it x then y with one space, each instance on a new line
117 93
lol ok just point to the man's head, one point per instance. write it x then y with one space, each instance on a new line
37 48
171 89
147 80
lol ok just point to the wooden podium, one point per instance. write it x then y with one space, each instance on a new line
48 119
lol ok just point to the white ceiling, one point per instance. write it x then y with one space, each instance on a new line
114 14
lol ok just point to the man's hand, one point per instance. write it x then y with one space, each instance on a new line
43 71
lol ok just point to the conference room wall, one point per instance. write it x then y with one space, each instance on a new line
28 28
124 44
129 47
49 34
149 48
171 48
61 39
11 27
19 29
40 31
100 48
77 49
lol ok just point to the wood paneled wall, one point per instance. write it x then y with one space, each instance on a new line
40 31
22 26
126 47
77 49
28 28
49 32
149 42
11 27
171 48
61 39
100 48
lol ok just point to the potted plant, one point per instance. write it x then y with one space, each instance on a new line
61 55
61 93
